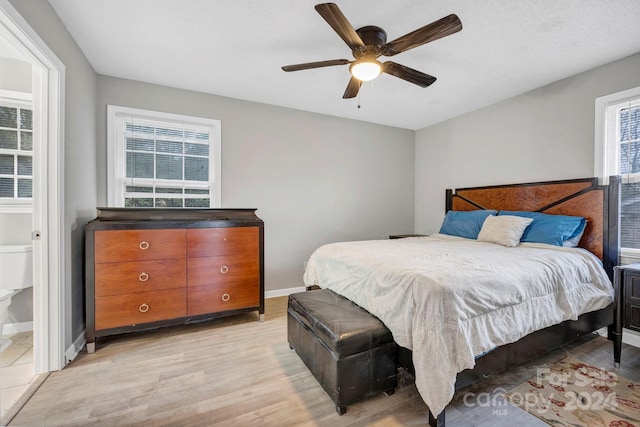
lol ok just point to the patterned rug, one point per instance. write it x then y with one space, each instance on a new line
574 394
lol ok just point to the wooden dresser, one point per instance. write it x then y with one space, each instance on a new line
148 268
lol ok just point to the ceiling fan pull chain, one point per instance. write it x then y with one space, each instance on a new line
370 83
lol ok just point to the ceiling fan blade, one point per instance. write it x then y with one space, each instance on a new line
352 88
334 17
441 28
409 74
309 65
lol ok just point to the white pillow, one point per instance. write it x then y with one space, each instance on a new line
504 230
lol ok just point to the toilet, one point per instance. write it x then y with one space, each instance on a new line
16 273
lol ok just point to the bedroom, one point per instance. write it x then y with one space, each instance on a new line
276 158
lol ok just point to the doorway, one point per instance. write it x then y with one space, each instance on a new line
47 212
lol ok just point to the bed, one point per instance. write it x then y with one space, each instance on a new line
486 295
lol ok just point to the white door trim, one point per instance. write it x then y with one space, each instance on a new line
50 324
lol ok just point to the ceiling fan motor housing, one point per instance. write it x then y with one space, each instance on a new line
374 38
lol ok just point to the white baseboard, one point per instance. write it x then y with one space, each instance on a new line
283 292
628 336
74 349
16 328
631 337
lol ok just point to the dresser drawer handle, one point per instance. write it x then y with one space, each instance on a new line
224 269
143 277
143 308
226 297
144 245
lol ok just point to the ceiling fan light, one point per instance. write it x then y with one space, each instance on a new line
365 70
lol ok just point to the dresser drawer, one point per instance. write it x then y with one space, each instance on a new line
632 300
140 276
632 317
223 269
215 298
139 245
205 242
139 307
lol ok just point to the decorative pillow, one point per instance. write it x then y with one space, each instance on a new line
505 230
465 223
551 229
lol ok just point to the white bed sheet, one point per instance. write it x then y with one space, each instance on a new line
449 299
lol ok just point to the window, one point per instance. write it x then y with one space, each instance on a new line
162 160
618 153
16 152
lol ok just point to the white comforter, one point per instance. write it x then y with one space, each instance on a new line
450 299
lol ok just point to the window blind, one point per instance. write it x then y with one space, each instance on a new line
623 158
16 152
167 164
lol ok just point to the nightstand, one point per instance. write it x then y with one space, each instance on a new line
626 284
402 236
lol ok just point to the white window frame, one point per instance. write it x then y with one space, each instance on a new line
20 100
116 174
602 166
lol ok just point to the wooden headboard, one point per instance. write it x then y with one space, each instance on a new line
579 197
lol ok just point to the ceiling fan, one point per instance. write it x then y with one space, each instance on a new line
370 42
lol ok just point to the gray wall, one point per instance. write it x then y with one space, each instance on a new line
15 228
544 134
15 75
313 178
79 152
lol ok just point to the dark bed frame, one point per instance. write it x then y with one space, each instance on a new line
579 197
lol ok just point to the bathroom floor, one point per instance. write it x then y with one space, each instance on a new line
16 372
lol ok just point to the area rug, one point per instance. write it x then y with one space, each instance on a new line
575 394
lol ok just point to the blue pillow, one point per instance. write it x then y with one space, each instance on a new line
551 229
465 223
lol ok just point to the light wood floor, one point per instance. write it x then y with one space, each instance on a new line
238 371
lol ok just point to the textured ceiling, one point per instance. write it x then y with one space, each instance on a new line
235 48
